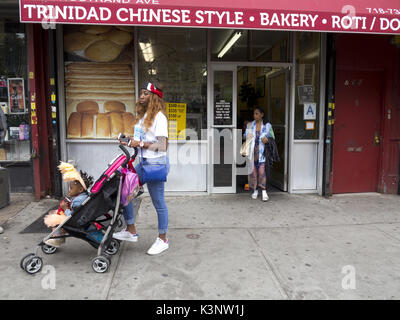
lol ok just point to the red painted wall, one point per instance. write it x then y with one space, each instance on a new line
40 116
376 52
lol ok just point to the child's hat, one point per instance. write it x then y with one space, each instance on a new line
70 173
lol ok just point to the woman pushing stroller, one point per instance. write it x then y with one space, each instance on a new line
151 136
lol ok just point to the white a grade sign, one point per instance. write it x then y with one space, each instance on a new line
310 111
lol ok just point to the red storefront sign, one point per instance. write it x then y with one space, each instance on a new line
361 16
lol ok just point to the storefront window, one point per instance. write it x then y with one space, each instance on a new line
14 92
308 47
99 81
177 58
249 45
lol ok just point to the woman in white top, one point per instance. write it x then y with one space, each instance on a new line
151 136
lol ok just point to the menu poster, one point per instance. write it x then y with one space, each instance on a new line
176 121
16 96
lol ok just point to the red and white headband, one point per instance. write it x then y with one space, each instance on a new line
152 88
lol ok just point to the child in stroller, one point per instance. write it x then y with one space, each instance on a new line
76 195
101 210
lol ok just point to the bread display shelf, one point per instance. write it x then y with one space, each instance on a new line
99 126
99 100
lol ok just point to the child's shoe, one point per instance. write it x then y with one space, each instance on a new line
255 194
55 242
265 196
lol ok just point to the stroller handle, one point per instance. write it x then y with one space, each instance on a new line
128 156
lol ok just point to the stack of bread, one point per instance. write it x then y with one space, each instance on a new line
97 43
100 100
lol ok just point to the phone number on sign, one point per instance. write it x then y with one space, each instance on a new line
383 11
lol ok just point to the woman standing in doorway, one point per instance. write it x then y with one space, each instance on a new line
151 136
259 132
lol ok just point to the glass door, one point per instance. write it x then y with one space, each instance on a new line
278 102
223 129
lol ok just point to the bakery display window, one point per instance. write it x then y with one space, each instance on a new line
99 81
15 130
177 58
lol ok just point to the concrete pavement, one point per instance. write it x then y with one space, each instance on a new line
225 247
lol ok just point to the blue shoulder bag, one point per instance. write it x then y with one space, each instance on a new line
154 171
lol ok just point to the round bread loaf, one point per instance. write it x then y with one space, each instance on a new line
114 106
88 106
117 36
77 41
103 51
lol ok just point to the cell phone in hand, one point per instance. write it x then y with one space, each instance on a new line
123 138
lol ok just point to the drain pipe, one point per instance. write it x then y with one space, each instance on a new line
329 115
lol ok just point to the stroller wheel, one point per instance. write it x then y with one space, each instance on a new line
24 259
113 248
48 249
100 264
33 265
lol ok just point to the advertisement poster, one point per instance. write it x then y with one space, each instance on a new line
16 95
176 121
99 81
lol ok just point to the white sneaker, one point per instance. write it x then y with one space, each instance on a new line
158 246
265 196
255 194
125 235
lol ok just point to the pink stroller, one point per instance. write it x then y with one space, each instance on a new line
102 210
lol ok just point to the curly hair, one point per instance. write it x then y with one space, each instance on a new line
88 180
155 105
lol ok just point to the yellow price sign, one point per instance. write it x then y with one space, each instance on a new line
176 121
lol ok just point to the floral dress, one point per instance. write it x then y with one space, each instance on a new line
258 177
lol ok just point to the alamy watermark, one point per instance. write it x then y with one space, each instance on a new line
349 280
49 280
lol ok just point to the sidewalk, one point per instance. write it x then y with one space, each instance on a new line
226 247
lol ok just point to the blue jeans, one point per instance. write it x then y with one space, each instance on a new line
156 190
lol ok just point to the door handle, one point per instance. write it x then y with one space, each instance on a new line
377 139
223 126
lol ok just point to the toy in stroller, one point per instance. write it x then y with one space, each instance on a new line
101 210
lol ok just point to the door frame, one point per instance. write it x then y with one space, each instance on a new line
210 125
233 66
285 71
